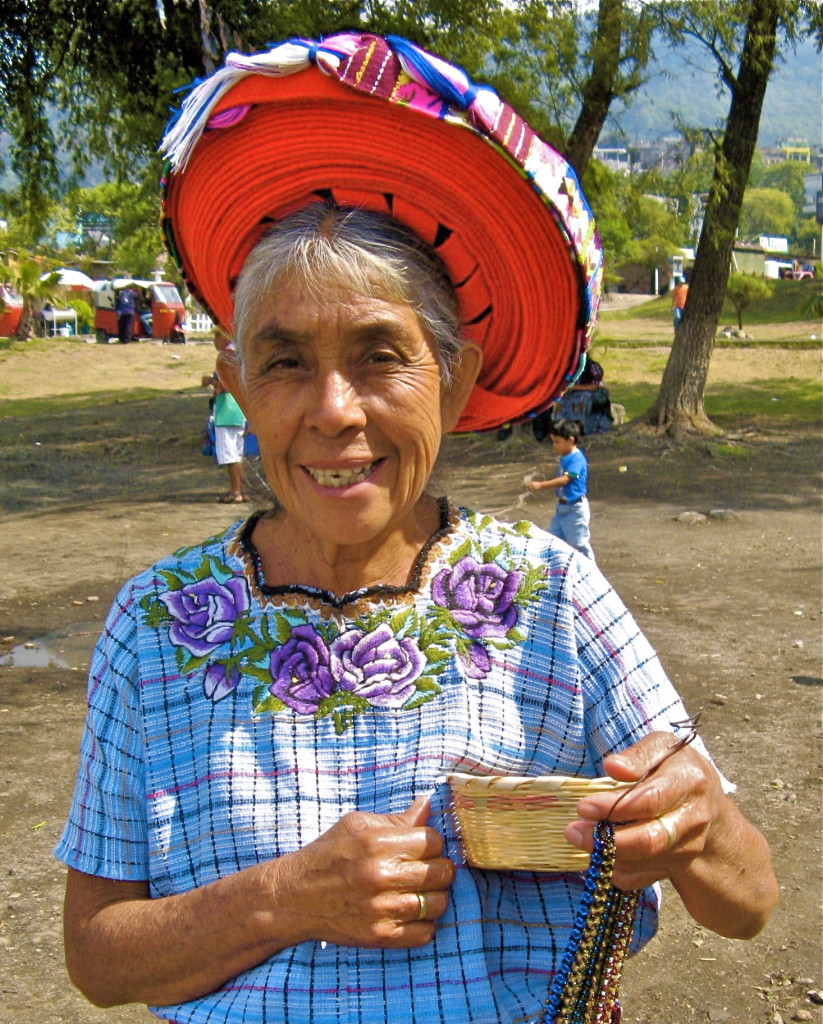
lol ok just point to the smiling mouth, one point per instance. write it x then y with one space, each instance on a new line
341 477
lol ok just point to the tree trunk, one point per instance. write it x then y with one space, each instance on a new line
599 90
679 406
26 324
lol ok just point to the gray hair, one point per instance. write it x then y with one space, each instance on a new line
326 246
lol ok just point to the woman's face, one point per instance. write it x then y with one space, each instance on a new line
344 394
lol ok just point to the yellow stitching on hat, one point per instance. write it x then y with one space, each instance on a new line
403 80
365 62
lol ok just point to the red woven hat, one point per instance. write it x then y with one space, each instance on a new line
381 124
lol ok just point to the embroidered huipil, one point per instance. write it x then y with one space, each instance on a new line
230 722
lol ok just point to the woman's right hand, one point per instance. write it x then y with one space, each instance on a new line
374 880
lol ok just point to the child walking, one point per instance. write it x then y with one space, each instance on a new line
571 518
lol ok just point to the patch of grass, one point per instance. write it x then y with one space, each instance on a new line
85 401
775 403
732 451
789 301
782 402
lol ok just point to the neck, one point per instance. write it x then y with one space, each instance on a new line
292 553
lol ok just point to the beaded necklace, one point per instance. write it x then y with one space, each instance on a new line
585 987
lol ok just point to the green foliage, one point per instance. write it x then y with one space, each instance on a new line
766 211
27 277
787 176
743 291
85 314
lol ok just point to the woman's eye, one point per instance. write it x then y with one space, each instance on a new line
281 363
383 356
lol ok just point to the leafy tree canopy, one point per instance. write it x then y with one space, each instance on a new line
766 211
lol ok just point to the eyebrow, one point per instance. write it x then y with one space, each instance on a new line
371 330
275 332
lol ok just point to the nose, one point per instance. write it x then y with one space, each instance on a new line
336 404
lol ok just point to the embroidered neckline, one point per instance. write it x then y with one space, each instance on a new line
248 548
308 660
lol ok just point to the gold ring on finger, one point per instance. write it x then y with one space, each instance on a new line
422 906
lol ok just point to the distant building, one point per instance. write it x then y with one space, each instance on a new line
616 158
795 149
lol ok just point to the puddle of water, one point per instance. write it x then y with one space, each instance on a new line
71 649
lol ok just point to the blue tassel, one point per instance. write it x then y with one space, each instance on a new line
430 75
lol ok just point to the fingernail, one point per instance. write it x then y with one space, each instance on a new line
575 835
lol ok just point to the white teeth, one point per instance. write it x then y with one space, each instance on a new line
341 477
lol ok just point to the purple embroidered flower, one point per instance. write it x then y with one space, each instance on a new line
220 681
377 666
480 596
204 613
300 671
477 661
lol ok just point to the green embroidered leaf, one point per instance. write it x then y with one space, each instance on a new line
460 552
220 569
436 659
327 631
515 636
418 699
523 527
478 521
203 571
267 638
156 613
402 620
342 720
493 553
268 704
283 629
533 582
437 620
258 672
193 663
172 580
426 685
258 652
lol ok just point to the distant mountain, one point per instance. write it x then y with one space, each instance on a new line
685 84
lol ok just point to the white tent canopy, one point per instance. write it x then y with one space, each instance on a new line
70 278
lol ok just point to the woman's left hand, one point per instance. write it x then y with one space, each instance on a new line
680 825
669 814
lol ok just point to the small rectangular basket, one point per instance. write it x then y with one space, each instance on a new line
516 823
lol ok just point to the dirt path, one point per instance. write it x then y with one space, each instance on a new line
732 603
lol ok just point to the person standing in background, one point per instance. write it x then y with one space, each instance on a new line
679 295
229 429
125 302
571 519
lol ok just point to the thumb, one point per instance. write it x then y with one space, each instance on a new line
416 814
633 762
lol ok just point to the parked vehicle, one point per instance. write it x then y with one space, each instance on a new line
160 311
11 308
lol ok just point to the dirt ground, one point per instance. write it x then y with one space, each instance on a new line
731 599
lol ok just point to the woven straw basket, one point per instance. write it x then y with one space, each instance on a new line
515 823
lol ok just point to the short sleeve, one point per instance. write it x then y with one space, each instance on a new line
106 831
626 692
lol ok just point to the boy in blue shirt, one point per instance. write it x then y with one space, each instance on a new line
571 519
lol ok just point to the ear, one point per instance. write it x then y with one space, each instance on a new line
228 370
464 378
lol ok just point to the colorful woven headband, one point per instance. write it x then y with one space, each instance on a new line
381 124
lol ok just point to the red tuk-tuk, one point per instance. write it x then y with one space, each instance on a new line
11 308
159 311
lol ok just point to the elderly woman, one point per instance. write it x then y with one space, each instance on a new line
260 830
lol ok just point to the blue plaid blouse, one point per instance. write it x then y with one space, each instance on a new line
230 722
